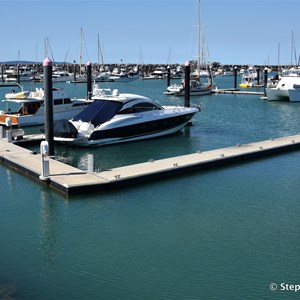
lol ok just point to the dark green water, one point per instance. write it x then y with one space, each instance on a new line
226 233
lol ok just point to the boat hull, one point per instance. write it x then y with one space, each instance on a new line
195 92
275 94
133 132
294 95
39 118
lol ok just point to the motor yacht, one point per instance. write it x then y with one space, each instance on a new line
116 118
27 108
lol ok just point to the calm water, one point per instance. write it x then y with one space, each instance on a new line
226 233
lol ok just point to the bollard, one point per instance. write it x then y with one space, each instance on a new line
44 149
1 132
90 163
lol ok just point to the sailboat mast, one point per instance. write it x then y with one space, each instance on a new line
199 46
80 57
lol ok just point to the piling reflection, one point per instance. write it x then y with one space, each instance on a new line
49 225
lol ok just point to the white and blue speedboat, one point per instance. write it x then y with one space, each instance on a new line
115 118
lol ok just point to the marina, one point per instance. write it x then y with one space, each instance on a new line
187 212
149 152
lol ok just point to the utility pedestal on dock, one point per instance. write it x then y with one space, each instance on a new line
45 171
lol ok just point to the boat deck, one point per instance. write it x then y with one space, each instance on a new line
70 180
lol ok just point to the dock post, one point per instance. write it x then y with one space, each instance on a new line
49 136
2 78
169 76
18 74
187 70
74 71
90 163
235 77
257 75
265 80
89 79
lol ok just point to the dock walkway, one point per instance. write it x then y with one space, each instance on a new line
237 92
70 180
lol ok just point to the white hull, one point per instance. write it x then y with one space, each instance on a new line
84 141
195 92
39 119
178 90
294 95
32 107
275 94
281 91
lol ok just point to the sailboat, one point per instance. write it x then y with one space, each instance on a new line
197 88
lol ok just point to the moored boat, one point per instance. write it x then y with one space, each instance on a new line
117 118
31 108
294 93
281 90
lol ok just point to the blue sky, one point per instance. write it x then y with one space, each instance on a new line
150 31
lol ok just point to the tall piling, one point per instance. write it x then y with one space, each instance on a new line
168 76
18 74
89 79
187 72
235 77
258 75
2 77
49 136
74 72
265 81
265 77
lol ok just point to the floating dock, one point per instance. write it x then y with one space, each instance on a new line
237 92
229 91
69 180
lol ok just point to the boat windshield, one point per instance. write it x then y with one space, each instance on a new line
140 107
99 112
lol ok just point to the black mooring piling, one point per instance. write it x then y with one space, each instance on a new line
168 76
265 81
89 79
74 72
235 77
49 136
187 71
